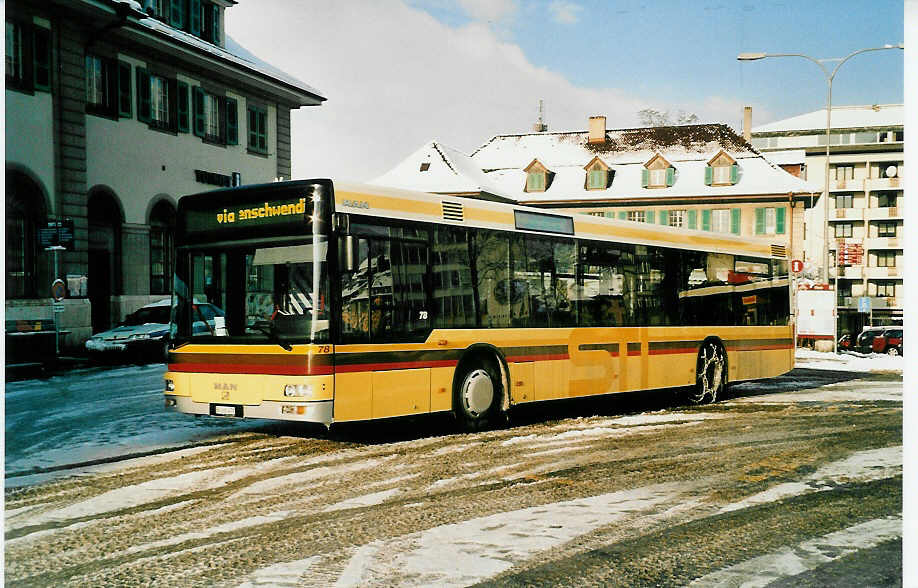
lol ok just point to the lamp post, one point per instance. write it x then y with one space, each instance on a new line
825 195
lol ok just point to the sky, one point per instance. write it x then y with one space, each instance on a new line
399 73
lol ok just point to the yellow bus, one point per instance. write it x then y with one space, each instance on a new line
348 302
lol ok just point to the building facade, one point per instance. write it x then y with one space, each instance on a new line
866 202
702 177
114 110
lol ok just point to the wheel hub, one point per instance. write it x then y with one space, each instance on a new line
477 392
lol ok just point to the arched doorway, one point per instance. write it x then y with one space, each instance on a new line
25 214
105 219
162 230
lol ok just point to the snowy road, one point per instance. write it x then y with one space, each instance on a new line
796 481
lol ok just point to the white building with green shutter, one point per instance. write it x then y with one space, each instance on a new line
701 177
114 110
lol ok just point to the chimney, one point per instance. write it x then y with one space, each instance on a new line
597 129
540 126
747 123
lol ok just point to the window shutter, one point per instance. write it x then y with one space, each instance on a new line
670 176
734 173
664 217
143 96
693 219
42 59
216 30
759 221
708 175
622 215
232 122
706 220
779 220
735 215
198 109
645 177
194 17
124 90
177 13
650 216
183 112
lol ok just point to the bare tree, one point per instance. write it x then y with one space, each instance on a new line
650 117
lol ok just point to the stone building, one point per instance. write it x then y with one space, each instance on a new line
114 110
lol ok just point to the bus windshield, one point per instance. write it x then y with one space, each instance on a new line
269 292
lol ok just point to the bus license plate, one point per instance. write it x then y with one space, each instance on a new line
225 410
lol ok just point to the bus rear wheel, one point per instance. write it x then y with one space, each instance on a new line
710 374
477 398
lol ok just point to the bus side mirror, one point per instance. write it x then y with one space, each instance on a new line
350 253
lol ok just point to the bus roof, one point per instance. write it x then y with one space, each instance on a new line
396 203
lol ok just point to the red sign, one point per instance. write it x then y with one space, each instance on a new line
796 266
850 254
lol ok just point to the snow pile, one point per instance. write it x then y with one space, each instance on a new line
848 362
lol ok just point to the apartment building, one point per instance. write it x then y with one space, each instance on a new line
114 110
866 201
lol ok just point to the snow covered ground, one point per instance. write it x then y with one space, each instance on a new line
849 362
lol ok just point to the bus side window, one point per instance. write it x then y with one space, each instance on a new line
492 271
355 301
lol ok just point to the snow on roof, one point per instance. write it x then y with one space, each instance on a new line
445 170
843 117
788 157
239 56
638 145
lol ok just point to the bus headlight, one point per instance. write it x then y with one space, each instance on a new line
170 385
298 390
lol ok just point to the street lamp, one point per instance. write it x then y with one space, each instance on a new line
825 194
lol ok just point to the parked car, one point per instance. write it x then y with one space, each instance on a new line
864 342
888 342
845 341
144 332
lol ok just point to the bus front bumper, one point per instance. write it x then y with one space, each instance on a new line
320 411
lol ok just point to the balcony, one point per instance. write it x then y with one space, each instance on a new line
856 185
884 243
883 272
884 213
883 184
852 272
846 214
876 302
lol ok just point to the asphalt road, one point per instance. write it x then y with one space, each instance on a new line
795 481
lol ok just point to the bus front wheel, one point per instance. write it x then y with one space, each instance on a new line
478 396
710 374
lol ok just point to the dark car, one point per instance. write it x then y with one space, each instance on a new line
845 341
864 342
888 342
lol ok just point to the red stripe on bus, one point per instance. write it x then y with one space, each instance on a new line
673 350
522 358
401 365
759 347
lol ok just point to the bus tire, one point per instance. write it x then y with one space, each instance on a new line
710 373
477 395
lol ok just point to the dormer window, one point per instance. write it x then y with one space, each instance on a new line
722 170
537 177
597 174
658 173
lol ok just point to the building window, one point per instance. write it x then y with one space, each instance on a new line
28 57
24 216
108 87
657 173
677 218
162 229
15 55
886 289
637 216
535 181
657 178
720 220
887 229
886 259
722 170
258 130
769 221
886 200
844 201
157 102
210 18
844 230
844 173
597 179
215 118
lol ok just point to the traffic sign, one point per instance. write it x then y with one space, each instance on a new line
796 266
863 304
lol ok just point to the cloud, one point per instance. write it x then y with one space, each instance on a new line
565 12
489 10
395 77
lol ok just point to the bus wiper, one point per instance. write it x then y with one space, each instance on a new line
270 331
